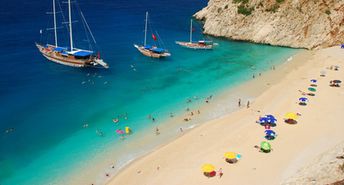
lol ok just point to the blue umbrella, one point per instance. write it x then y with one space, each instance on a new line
263 120
314 81
303 99
270 132
269 116
267 119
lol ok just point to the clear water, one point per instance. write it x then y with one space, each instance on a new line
47 103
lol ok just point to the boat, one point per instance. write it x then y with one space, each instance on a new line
201 44
71 56
151 50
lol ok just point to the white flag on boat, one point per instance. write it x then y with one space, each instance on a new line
40 31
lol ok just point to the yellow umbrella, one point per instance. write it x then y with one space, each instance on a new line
230 155
208 168
291 115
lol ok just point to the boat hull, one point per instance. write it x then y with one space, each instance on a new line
149 53
194 45
56 57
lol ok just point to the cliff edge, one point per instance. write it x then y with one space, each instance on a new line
306 24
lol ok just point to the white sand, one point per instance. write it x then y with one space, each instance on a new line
319 129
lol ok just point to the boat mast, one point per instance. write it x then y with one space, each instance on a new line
55 32
70 26
145 40
191 31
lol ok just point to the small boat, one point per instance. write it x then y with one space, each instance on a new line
201 44
149 50
71 56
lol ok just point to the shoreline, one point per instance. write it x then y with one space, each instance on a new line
102 163
283 73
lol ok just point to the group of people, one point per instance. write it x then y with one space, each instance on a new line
247 104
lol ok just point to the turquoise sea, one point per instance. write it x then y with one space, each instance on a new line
45 105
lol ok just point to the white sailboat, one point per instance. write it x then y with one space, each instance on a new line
201 44
72 56
149 50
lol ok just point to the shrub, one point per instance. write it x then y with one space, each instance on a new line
328 12
279 1
244 10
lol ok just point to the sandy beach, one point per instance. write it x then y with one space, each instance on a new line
319 129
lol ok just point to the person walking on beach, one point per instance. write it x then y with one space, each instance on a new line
157 132
248 104
220 172
239 102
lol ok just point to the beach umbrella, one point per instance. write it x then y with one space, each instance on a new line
269 132
337 81
303 99
265 146
207 168
314 81
230 155
312 89
268 119
270 116
263 120
291 115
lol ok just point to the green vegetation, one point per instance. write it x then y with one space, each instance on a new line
244 10
328 12
279 1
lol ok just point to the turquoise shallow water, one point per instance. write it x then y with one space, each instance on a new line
47 104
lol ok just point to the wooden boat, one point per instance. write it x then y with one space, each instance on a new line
201 44
72 56
149 50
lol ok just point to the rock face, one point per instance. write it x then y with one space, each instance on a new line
294 23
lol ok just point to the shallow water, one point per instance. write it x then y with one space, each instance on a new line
47 103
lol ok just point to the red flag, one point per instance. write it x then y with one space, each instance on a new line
153 36
98 55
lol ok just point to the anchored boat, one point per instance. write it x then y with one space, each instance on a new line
201 44
149 50
71 56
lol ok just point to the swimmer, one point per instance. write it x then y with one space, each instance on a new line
116 120
99 133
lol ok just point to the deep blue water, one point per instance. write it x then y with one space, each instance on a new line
47 103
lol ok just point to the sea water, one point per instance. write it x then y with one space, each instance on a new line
47 104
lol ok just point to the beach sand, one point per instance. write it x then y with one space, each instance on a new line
319 129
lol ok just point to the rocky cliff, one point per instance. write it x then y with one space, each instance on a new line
294 23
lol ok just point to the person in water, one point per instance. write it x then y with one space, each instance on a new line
115 120
99 133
